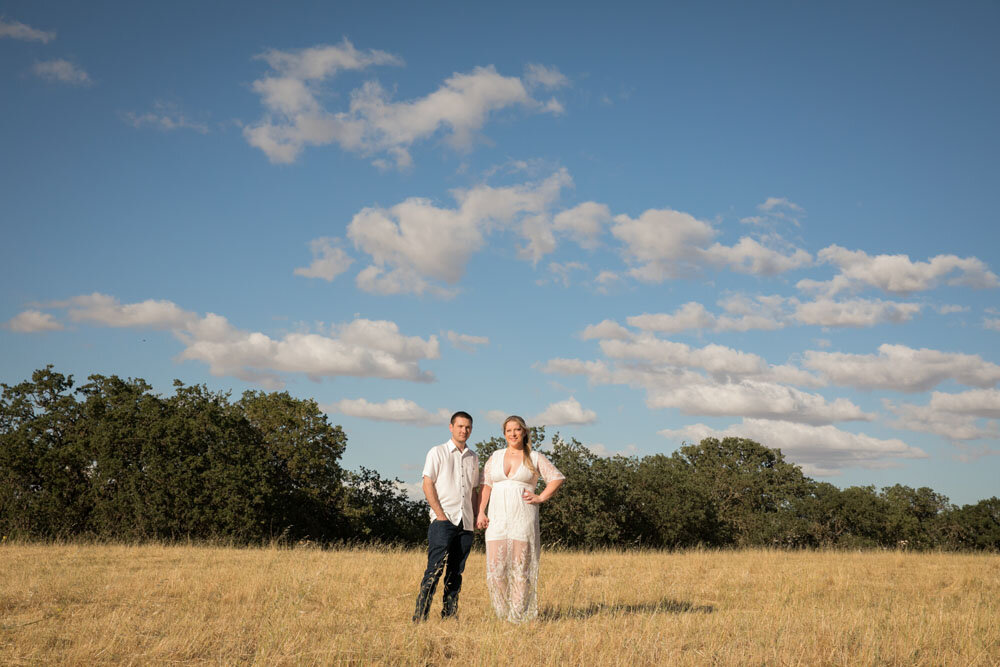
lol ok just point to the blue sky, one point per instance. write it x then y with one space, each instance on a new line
638 225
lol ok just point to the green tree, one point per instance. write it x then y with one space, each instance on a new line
669 508
379 511
752 488
914 517
303 453
978 526
43 470
591 508
121 428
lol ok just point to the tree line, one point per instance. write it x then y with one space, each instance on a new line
110 459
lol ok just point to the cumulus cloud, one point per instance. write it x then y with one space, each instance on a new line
663 244
711 380
415 240
23 32
329 260
897 274
742 314
374 124
399 410
752 398
465 341
750 256
564 413
584 223
360 348
822 451
608 329
33 321
991 323
164 117
953 425
902 368
826 312
61 71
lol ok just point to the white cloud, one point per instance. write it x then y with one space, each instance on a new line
360 348
749 256
773 204
373 124
744 314
606 329
62 71
164 117
584 223
465 341
376 280
561 271
546 77
991 323
416 240
826 312
751 398
951 425
606 280
976 402
33 321
897 274
820 450
691 315
901 368
666 244
495 416
717 360
399 410
564 413
18 30
104 309
413 490
949 308
329 260
737 383
600 449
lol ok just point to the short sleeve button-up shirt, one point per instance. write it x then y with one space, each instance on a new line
455 475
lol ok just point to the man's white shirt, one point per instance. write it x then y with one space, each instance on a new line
455 475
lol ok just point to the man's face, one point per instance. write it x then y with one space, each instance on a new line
460 430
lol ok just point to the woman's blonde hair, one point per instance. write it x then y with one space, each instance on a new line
526 452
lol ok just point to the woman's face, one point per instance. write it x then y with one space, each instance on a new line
514 434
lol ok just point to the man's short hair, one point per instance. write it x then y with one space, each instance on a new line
462 414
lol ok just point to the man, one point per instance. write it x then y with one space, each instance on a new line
451 485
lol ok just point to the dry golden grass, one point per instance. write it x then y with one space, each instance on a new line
79 604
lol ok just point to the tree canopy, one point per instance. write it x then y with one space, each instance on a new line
110 459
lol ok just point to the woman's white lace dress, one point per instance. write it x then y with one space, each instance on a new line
512 539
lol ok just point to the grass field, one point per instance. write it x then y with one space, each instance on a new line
87 604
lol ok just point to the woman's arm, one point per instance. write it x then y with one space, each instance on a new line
549 491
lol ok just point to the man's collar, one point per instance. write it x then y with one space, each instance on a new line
455 447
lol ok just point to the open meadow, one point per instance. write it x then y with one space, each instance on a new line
86 604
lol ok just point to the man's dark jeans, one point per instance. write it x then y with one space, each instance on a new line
448 546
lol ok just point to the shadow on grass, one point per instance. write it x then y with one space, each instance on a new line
664 606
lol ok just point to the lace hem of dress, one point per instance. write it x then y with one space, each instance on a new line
512 579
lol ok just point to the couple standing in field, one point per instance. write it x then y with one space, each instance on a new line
500 499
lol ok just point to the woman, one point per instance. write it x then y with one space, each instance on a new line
512 541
